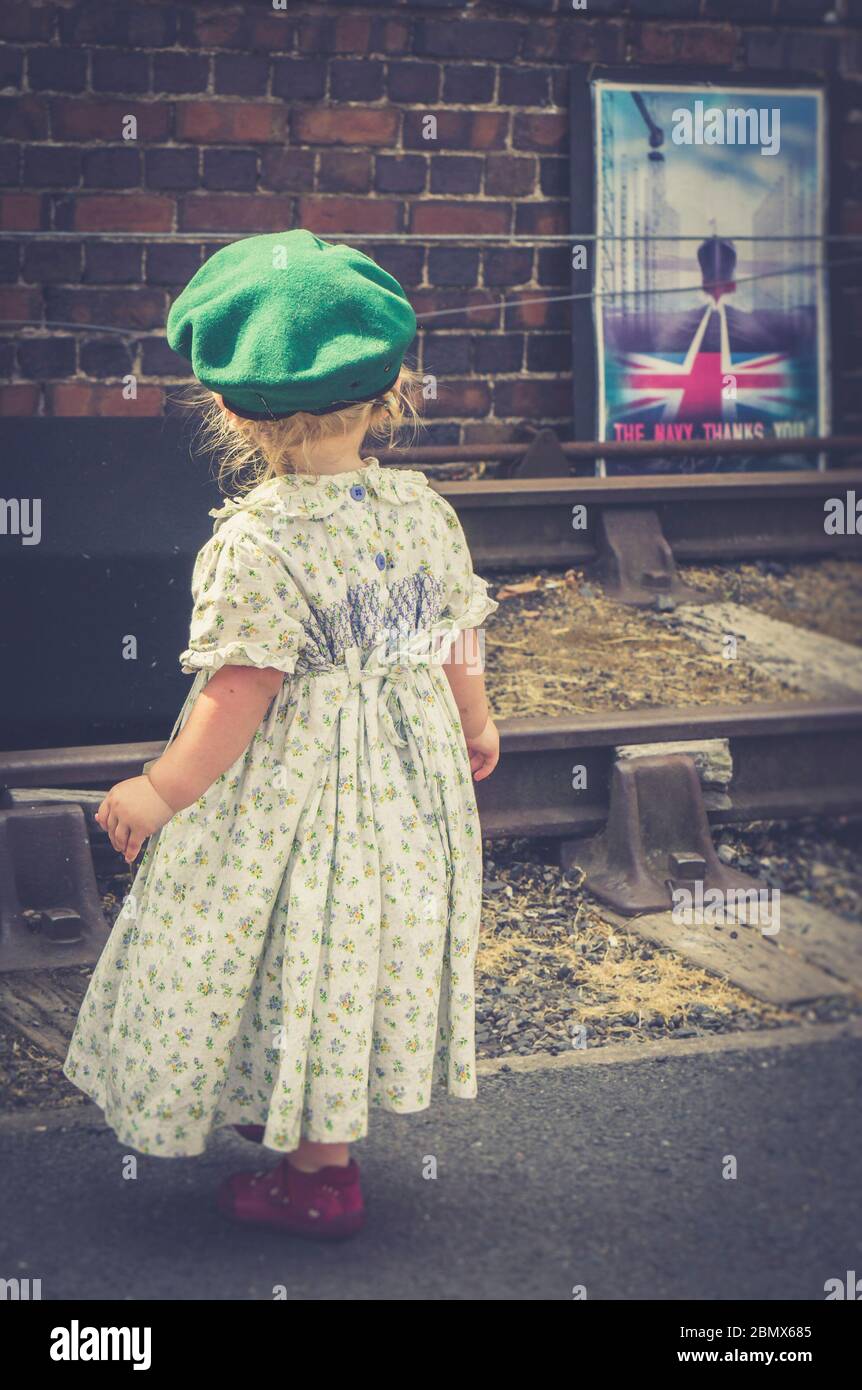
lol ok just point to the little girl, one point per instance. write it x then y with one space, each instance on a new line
300 938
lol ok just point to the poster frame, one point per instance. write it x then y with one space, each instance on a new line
835 328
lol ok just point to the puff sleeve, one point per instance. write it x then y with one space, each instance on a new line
467 602
247 610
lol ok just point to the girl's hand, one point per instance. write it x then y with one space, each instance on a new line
130 812
484 750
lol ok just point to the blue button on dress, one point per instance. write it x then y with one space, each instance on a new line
299 945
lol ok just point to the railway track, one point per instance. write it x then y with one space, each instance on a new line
559 777
556 779
527 523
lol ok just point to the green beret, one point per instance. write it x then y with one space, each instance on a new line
286 322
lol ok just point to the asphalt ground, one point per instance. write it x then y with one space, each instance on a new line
604 1181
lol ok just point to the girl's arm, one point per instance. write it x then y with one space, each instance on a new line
220 727
466 677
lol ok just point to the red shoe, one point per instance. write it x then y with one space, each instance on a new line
326 1205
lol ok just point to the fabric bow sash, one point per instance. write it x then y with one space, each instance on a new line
391 667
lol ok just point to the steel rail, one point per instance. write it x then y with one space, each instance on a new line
526 523
630 449
790 760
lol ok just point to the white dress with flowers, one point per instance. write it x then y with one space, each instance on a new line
299 944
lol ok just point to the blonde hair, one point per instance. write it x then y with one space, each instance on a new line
248 452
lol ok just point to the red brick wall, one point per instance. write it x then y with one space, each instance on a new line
251 119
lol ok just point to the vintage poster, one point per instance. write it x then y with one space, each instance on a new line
710 311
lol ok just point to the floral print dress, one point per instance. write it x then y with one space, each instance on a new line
299 944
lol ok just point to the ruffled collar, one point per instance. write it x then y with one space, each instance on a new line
301 495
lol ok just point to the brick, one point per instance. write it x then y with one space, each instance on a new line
131 212
299 79
471 309
554 178
508 265
667 9
151 27
715 44
749 11
541 218
523 87
19 305
115 71
220 29
413 82
231 122
104 357
457 130
813 52
24 118
344 171
19 399
230 169
549 352
167 264
443 353
405 262
390 36
495 40
241 74
233 212
11 67
360 80
273 33
335 214
10 164
46 357
655 43
510 175
461 397
468 83
25 22
445 215
455 173
532 310
171 168
568 39
539 131
533 400
51 166
453 266
180 72
21 212
103 119
109 263
347 34
95 24
76 399
56 70
45 262
354 125
805 11
112 167
158 359
127 308
287 170
499 352
401 173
